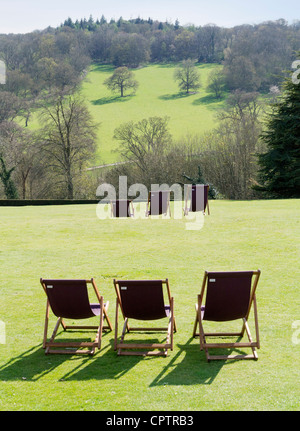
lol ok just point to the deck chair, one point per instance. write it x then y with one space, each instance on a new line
144 300
197 196
68 299
122 208
229 296
158 203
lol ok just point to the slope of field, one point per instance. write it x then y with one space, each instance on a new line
157 95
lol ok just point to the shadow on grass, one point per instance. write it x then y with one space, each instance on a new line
207 100
111 99
174 96
106 366
30 365
33 364
188 367
103 68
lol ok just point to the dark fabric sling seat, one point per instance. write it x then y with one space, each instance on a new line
227 296
144 300
69 299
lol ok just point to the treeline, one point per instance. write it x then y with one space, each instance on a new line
253 56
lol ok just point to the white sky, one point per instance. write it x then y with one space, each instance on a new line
21 16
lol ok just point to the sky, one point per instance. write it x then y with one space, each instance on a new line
23 16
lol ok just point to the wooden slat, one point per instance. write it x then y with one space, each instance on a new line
228 345
140 353
148 329
143 346
217 357
70 344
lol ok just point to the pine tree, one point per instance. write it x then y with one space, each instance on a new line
280 165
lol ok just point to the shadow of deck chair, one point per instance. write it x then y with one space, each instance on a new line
68 299
144 300
197 195
158 203
228 296
122 208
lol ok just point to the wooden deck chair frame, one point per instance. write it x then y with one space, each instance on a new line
130 208
187 208
205 345
150 349
60 347
149 203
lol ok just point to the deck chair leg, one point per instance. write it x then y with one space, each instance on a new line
195 326
63 325
116 324
207 205
171 327
123 334
256 323
105 317
203 341
250 338
169 338
197 318
54 334
202 337
46 324
124 330
99 333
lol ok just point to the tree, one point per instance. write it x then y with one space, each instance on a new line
187 76
228 153
8 146
121 80
216 83
144 137
68 139
280 164
145 143
5 176
184 45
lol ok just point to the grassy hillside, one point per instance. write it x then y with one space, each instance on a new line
70 241
158 95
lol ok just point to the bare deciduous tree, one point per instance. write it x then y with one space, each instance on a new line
187 76
68 139
144 143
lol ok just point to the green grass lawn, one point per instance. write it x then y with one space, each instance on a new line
158 95
71 242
